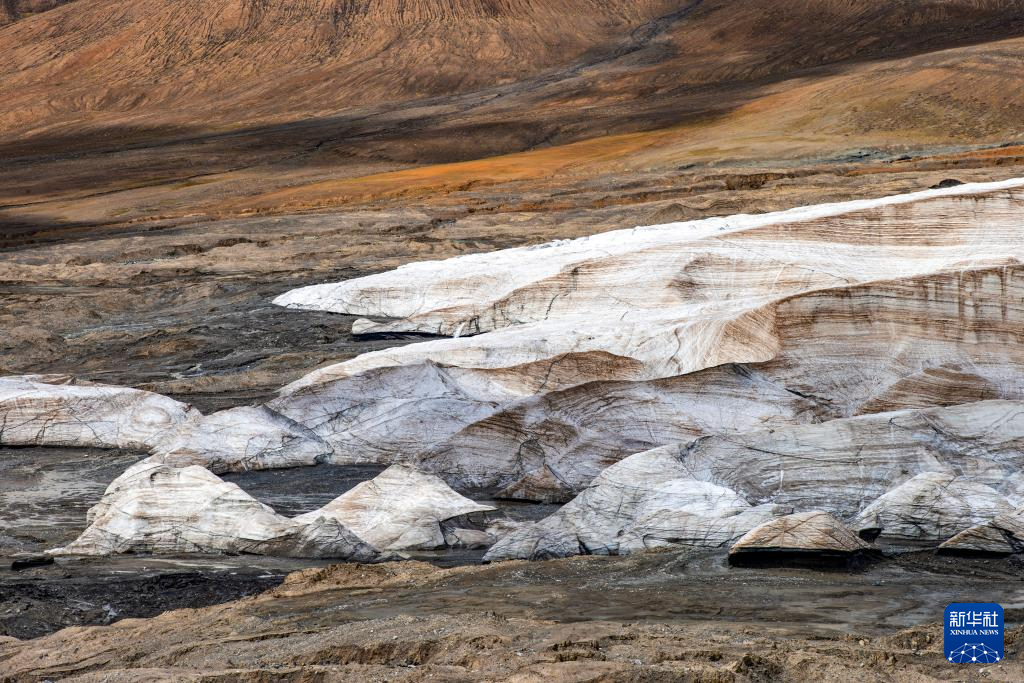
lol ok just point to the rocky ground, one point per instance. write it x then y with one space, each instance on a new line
654 617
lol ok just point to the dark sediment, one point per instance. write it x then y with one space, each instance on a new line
47 492
40 601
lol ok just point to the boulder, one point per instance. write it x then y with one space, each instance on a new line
155 508
814 537
930 507
405 509
21 561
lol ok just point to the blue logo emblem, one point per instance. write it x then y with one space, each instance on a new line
974 633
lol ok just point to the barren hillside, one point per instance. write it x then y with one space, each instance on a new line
207 62
120 112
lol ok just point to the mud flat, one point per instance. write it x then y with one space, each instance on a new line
45 492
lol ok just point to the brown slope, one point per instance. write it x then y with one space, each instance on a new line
8 11
12 10
249 59
962 97
951 99
145 110
225 61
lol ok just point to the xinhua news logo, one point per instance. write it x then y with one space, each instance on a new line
974 633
